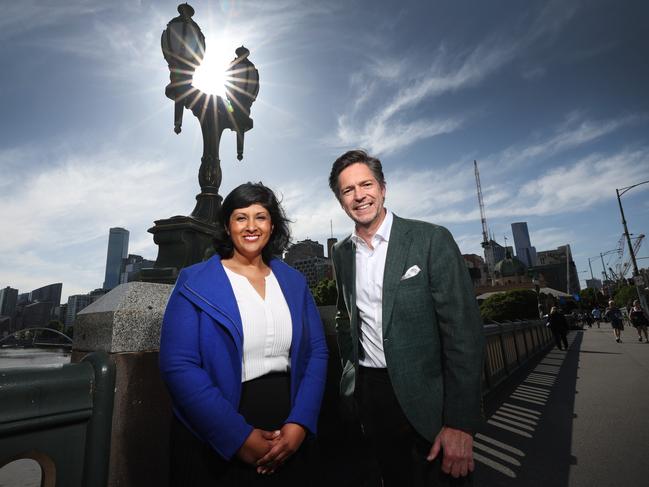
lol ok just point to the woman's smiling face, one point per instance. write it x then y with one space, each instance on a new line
250 229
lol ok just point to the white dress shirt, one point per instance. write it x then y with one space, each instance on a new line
370 266
267 326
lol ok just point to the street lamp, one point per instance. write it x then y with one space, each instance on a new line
620 192
637 278
185 240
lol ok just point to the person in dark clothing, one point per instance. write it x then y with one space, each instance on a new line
559 327
614 314
639 320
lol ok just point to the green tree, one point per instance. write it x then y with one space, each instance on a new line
624 295
510 305
325 292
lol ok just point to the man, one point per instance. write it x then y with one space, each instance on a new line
597 315
614 315
409 332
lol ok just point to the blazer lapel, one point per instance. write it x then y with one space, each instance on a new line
395 263
346 276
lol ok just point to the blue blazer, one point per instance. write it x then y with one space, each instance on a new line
201 350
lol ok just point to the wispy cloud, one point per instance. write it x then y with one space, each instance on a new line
575 131
397 87
28 15
391 126
551 237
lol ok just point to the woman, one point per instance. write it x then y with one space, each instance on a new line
559 327
639 320
243 354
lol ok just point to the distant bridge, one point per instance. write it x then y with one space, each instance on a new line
36 339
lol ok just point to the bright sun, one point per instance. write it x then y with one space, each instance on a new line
210 77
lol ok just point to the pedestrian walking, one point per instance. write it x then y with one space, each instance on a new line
639 320
597 315
559 327
614 314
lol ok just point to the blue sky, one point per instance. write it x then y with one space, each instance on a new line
549 96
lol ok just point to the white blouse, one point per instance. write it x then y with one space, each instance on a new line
267 326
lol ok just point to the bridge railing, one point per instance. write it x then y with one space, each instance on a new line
509 346
61 418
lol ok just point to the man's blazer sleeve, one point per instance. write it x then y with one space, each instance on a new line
342 314
461 332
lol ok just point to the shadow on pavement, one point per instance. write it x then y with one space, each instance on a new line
526 440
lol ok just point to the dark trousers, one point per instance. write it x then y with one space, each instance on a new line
265 403
560 337
400 451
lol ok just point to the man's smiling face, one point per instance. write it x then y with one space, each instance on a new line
361 196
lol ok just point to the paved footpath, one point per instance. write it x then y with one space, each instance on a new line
575 418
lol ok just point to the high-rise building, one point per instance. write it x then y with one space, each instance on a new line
500 252
303 250
37 314
315 269
117 252
524 250
8 300
47 294
76 303
131 267
558 269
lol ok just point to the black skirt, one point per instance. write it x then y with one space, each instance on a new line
265 404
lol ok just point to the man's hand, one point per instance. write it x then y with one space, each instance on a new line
258 444
284 445
457 446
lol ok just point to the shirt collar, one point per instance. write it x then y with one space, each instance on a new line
383 233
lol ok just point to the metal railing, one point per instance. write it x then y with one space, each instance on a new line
60 417
509 346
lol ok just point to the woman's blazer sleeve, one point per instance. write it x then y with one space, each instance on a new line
306 407
194 395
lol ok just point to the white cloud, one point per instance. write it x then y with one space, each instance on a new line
56 227
582 185
551 237
575 131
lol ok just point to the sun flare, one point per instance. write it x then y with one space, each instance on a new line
210 77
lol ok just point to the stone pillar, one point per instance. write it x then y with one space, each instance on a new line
125 323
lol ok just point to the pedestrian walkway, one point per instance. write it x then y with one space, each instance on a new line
575 418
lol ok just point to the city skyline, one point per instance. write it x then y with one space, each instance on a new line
548 97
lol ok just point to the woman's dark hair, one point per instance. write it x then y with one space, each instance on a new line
354 157
244 196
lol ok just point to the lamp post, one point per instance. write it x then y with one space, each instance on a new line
185 240
637 278
620 192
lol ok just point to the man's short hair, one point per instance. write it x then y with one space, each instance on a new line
354 157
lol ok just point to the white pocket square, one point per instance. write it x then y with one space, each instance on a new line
412 272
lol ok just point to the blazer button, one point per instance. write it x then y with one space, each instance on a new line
385 340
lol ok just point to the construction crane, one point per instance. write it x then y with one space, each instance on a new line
636 246
486 242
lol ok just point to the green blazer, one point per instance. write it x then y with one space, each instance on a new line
432 330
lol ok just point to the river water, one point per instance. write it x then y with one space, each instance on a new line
33 357
26 473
